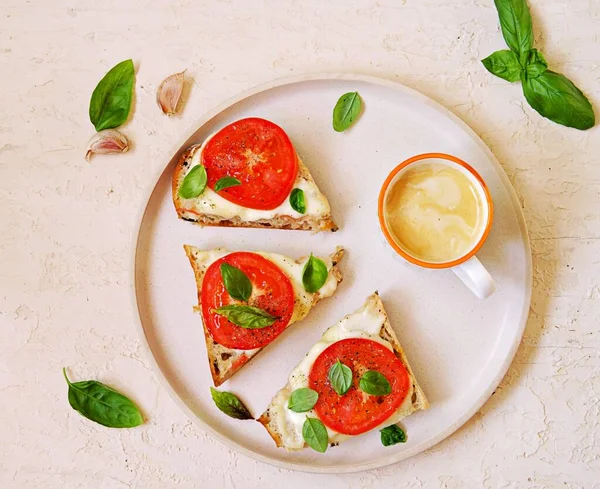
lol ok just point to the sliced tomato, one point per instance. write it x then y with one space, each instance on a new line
260 155
271 290
356 412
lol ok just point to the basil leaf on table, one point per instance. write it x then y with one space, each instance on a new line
515 21
346 110
315 434
248 317
391 435
535 63
111 100
503 64
226 182
374 383
340 376
236 282
103 405
314 274
555 97
302 400
297 200
194 182
230 404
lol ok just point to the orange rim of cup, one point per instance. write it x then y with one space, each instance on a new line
390 239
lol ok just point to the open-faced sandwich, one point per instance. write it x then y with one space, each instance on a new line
355 379
247 299
249 175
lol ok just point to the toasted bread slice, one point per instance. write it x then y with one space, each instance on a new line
223 361
278 424
210 209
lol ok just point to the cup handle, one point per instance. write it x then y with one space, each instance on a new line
476 277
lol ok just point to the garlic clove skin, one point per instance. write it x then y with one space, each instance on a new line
109 141
169 93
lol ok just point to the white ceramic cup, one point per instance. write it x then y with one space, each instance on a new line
467 267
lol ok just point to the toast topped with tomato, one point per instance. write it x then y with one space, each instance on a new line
249 175
354 380
247 299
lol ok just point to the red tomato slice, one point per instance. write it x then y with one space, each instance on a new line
356 412
260 155
271 290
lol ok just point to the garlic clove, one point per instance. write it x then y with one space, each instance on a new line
105 142
169 93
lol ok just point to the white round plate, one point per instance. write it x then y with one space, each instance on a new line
459 347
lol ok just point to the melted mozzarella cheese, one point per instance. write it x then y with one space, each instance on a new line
211 203
364 323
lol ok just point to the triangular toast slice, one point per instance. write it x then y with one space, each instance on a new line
224 361
285 426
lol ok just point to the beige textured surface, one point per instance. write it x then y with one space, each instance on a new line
66 228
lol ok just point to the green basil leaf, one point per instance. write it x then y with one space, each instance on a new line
111 99
236 282
555 97
194 182
346 110
535 64
230 404
248 317
340 376
315 434
374 383
226 182
302 400
504 64
391 435
314 274
297 200
515 21
103 405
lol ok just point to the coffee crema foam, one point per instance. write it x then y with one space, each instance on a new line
435 212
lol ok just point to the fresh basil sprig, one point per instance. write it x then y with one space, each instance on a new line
230 404
111 100
315 434
103 405
236 282
302 400
248 317
297 200
551 94
314 274
340 376
194 182
346 111
374 383
226 182
390 435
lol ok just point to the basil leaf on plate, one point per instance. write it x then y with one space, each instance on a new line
111 100
230 404
297 200
314 274
374 383
554 96
315 434
340 376
248 317
391 435
302 400
236 282
194 182
226 182
515 21
346 110
103 405
535 63
503 64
